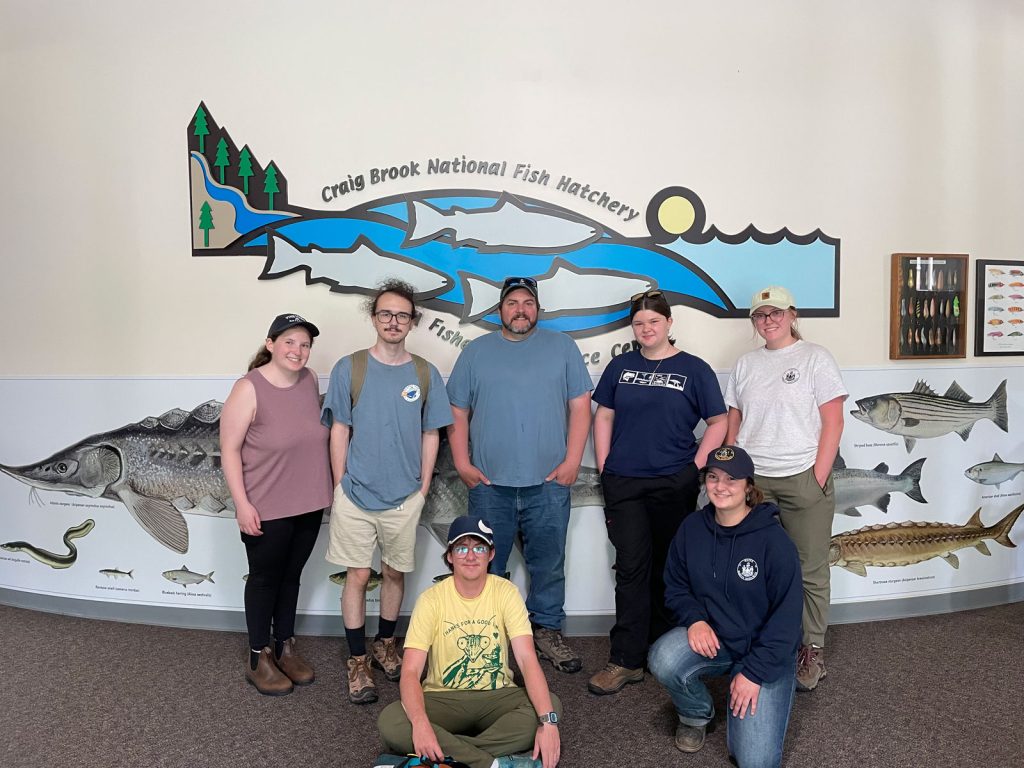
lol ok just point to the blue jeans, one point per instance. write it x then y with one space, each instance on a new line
541 514
756 740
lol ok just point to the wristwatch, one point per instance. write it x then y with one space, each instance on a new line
550 717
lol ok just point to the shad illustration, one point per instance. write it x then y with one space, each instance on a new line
923 413
53 559
455 245
164 466
871 487
995 472
907 543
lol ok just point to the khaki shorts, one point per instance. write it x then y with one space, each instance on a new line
355 533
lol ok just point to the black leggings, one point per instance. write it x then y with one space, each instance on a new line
276 560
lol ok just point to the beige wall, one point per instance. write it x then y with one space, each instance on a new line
893 126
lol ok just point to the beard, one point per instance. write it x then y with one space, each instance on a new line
530 325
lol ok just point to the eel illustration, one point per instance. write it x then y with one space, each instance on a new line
906 543
50 558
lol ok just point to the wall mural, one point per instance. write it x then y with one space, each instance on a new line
160 527
456 245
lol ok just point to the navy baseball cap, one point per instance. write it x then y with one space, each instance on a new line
283 322
526 283
732 460
470 526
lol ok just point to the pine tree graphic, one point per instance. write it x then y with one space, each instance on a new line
202 130
270 183
206 222
222 161
245 168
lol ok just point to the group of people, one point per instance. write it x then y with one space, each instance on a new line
740 588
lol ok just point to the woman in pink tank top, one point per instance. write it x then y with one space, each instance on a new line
274 452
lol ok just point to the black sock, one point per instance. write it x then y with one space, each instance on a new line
386 628
356 641
254 659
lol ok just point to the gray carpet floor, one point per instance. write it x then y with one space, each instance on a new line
933 691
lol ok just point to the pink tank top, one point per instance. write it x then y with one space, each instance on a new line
286 462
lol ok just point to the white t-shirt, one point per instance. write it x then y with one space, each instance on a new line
779 393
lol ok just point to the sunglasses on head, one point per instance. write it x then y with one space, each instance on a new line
651 294
519 282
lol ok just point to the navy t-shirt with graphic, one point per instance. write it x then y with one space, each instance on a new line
657 404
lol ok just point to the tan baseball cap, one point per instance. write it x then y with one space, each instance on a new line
772 296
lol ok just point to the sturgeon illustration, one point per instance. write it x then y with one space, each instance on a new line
923 413
995 472
164 466
860 487
906 543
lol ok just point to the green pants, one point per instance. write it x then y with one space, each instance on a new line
471 726
806 511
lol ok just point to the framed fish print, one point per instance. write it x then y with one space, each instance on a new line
928 306
999 302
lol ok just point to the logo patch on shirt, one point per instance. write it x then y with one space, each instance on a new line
411 393
791 376
676 381
747 569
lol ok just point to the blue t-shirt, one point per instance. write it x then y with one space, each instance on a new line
517 393
383 464
657 405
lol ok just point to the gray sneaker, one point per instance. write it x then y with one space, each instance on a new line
810 667
551 647
690 738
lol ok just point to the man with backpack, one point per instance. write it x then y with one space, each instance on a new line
384 407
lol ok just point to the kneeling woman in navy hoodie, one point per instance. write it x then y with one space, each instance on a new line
733 584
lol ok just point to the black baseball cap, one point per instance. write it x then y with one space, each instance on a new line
283 322
526 283
732 460
470 526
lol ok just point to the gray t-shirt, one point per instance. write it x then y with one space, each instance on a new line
517 392
383 463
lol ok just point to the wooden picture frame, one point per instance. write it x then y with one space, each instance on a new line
928 306
999 307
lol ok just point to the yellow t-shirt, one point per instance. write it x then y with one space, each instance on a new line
468 639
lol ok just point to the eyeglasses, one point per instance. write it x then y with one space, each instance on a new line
763 317
519 282
651 294
385 316
461 550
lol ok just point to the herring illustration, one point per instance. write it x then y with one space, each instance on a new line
186 578
509 226
357 268
871 487
995 472
53 559
922 413
564 289
907 543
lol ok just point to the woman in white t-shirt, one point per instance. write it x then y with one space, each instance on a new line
785 403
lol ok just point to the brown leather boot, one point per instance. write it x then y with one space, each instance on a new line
267 678
298 670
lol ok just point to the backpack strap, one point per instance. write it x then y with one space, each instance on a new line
359 363
423 378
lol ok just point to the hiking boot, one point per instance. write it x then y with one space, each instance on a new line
810 667
386 658
361 689
551 647
613 679
298 670
267 678
690 738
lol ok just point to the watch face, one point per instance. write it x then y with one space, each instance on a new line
550 717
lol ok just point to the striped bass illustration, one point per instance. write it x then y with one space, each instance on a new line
158 468
906 543
861 487
923 413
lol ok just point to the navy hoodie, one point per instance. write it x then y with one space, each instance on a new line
745 582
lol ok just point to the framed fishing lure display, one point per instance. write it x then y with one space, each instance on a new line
999 302
928 306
